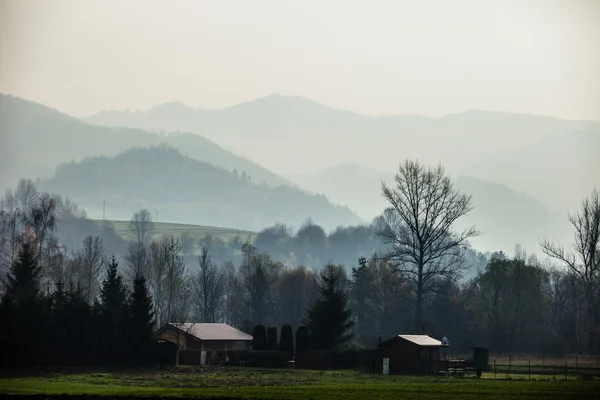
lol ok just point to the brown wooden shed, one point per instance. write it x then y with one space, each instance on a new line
409 354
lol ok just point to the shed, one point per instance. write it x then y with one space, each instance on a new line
201 336
410 354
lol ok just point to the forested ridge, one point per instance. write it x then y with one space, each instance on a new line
189 191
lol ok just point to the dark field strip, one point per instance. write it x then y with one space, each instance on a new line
282 384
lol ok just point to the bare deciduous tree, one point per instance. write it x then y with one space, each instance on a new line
583 259
208 289
234 296
10 230
168 282
26 194
419 222
138 261
187 243
258 276
297 289
11 227
88 264
42 218
141 226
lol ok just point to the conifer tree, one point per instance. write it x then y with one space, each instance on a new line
328 319
23 281
113 310
23 312
141 318
113 293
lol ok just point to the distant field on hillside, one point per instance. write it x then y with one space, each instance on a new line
196 232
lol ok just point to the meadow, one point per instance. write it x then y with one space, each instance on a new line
196 232
254 383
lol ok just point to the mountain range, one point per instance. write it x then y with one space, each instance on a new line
72 158
523 171
36 138
553 160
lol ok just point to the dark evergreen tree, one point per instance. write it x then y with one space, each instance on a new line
78 330
113 312
287 339
328 319
360 293
271 338
24 311
259 340
23 281
141 322
113 292
302 340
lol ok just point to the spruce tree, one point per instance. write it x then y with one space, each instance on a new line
141 319
113 311
328 319
23 281
24 312
113 292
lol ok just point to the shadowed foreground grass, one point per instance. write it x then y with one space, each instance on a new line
286 384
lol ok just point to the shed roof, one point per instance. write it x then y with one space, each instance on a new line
419 340
204 331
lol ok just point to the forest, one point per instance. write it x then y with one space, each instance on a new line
409 271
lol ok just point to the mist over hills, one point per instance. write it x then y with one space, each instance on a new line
291 134
36 139
523 170
188 191
505 216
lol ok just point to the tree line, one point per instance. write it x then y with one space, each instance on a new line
413 283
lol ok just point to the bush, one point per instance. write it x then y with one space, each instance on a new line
287 340
259 341
271 338
302 340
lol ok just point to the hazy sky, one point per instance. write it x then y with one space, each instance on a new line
374 57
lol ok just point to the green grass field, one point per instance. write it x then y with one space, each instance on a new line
251 383
196 232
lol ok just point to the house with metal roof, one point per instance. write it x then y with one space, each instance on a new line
410 354
197 337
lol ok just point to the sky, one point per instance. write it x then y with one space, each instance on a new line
373 57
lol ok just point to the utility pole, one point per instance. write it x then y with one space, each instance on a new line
103 209
156 215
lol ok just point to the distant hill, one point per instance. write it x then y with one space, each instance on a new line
290 133
351 184
34 139
506 217
185 190
560 169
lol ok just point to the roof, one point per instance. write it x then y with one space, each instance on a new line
212 331
419 340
